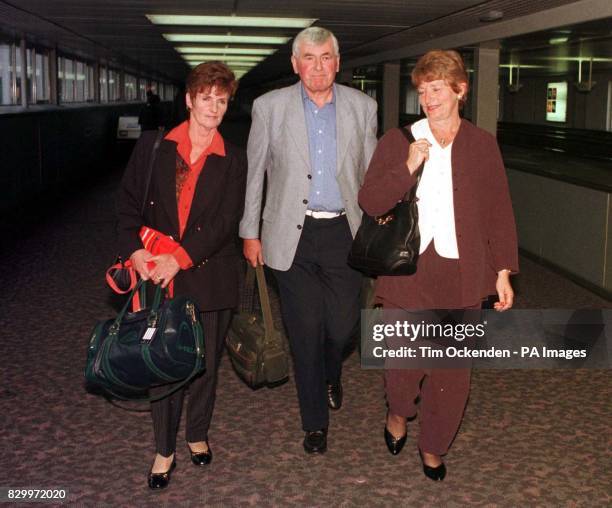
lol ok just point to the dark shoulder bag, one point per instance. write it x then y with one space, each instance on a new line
389 244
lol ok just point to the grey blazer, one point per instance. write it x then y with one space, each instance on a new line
278 146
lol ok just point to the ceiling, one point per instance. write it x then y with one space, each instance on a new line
117 30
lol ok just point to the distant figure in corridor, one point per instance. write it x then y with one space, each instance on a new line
150 117
468 242
314 141
196 195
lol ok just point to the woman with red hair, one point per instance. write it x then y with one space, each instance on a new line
196 196
468 242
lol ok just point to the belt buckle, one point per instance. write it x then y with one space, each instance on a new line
323 214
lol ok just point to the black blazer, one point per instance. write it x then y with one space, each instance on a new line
211 234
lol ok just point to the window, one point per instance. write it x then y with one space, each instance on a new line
142 89
114 87
103 84
411 98
169 90
91 83
609 110
18 64
130 87
38 75
7 74
81 89
66 79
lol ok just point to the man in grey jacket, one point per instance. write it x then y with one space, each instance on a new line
314 140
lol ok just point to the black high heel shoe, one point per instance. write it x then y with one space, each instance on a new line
201 458
437 473
158 481
394 444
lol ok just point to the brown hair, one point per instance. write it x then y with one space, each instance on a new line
207 75
441 64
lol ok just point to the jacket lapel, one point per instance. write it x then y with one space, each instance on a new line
209 188
166 166
295 123
343 128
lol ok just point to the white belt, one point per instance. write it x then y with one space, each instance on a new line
321 214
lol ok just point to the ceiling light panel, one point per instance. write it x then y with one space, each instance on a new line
225 51
229 64
226 39
232 21
225 58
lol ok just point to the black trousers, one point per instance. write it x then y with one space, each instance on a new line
320 308
166 413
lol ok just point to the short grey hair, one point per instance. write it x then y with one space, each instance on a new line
314 35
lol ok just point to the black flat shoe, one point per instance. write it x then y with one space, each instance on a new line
334 396
394 444
315 441
158 481
437 473
201 458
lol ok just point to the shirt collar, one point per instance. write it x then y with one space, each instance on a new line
180 135
305 96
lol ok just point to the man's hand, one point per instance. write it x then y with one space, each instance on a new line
252 251
139 259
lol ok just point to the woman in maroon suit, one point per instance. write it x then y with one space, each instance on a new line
196 195
468 242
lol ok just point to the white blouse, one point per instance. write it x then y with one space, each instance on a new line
435 196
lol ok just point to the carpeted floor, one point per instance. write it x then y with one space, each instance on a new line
529 438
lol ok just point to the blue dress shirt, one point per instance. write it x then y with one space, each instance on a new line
321 127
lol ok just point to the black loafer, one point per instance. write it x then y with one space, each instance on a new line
394 444
437 473
334 396
201 458
158 481
315 441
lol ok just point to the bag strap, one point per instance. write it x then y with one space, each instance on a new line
410 195
264 299
121 266
158 140
153 313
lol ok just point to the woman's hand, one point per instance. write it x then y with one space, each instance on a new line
166 268
504 291
418 153
139 259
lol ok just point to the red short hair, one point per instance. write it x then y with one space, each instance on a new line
207 75
441 64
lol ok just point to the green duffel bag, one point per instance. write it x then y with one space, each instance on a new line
257 350
138 350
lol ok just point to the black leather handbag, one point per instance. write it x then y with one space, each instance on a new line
154 346
389 244
256 348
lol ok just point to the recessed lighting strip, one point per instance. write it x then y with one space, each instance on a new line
225 58
226 39
224 51
241 21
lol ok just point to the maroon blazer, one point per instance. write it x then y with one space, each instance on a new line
484 222
211 234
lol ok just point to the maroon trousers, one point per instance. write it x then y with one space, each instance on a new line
442 393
